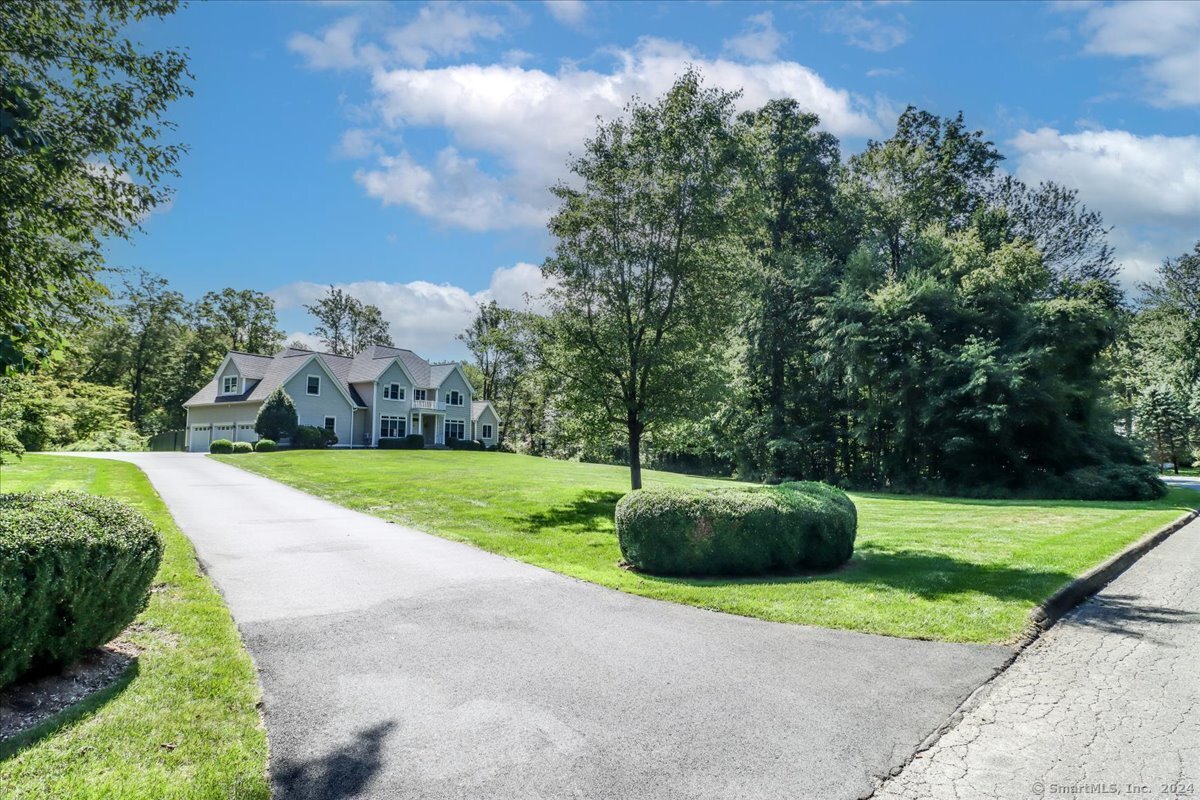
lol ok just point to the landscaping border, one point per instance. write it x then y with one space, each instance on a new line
1041 619
1053 608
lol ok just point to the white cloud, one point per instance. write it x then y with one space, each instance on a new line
1164 33
335 49
424 316
759 41
528 121
863 27
440 30
568 12
1147 187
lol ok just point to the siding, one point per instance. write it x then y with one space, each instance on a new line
487 417
312 410
230 369
223 414
455 381
394 408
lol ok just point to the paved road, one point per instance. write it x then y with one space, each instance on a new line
1109 698
396 664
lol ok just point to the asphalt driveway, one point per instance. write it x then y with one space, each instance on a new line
398 664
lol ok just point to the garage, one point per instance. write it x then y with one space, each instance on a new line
246 433
201 437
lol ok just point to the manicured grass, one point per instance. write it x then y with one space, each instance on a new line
924 567
184 723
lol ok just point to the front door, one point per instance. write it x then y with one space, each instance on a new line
429 429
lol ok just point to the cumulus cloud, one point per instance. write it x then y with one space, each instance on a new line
759 41
1148 187
1163 33
568 12
335 48
527 121
424 316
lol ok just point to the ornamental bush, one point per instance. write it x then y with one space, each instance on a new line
220 446
414 441
465 444
74 572
751 530
310 437
277 416
264 446
242 447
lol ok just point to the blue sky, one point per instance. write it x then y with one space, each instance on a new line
403 151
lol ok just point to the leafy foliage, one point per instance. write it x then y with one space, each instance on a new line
74 571
414 441
242 447
310 437
265 446
644 269
222 446
39 412
276 416
346 325
742 531
83 156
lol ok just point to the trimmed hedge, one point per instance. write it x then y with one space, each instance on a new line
223 446
466 444
265 446
310 437
243 447
74 572
414 441
754 530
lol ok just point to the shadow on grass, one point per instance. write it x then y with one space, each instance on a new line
590 507
13 745
341 773
1177 497
928 575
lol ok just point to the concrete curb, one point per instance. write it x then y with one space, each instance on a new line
1051 610
1041 619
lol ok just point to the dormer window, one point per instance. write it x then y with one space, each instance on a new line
393 391
229 384
456 398
314 384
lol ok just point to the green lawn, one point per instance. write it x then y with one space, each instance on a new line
184 722
924 567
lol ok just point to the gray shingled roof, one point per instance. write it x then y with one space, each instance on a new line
270 372
477 408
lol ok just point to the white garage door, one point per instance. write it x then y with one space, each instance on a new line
201 436
245 432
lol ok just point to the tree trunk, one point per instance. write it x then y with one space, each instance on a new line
635 450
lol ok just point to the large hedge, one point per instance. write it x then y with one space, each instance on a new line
414 441
752 530
276 416
74 572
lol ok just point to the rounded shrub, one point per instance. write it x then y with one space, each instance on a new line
751 530
310 437
242 447
265 446
74 572
220 446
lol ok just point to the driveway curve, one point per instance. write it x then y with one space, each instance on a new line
396 664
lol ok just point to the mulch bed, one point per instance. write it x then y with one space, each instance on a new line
27 704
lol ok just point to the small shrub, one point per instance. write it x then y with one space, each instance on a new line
74 572
414 441
276 416
264 446
1110 482
736 531
220 446
465 444
242 447
310 437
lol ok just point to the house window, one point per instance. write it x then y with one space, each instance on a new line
314 384
455 429
487 431
391 427
456 398
418 394
393 391
229 384
331 423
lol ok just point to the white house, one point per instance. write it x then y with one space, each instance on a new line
383 392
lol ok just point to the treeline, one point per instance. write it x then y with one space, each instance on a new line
728 292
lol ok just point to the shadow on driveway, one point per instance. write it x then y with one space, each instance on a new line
342 773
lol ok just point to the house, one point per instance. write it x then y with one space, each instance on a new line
381 393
